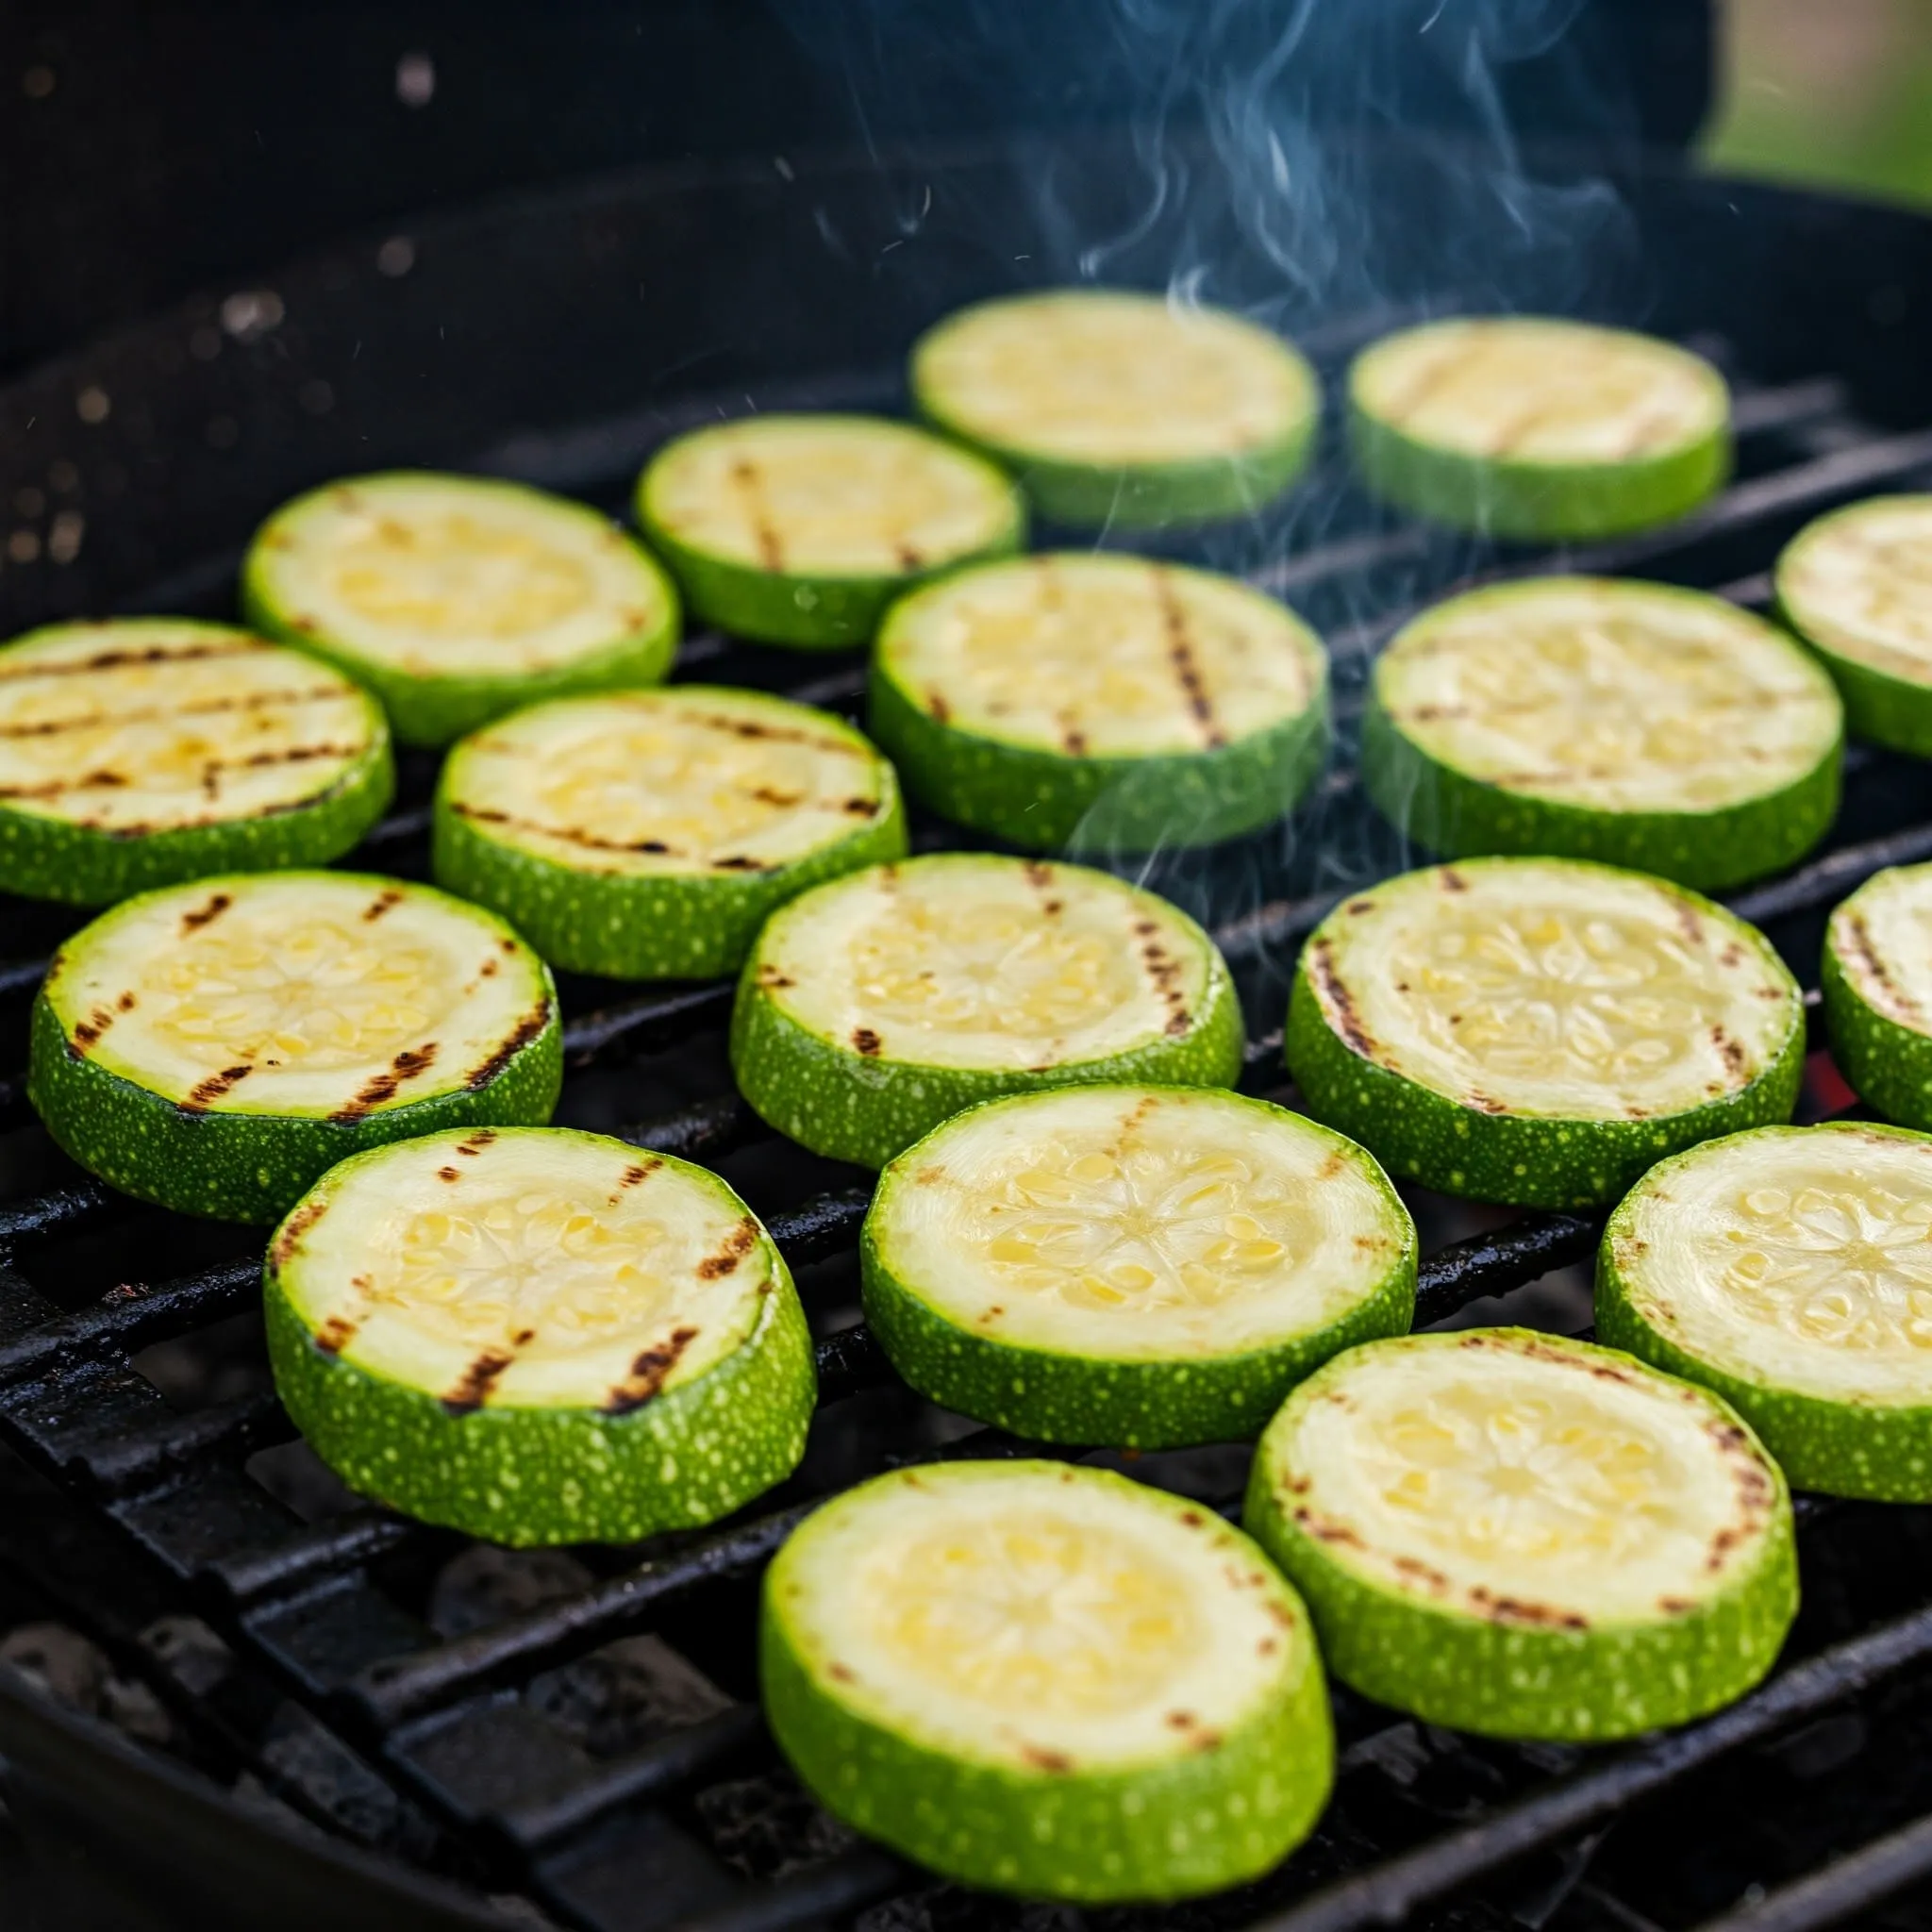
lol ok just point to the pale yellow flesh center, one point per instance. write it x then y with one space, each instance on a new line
1800 1258
440 579
529 1269
324 990
152 729
983 964
1113 380
670 782
1860 584
870 499
1540 391
1614 698
1101 657
1138 1225
1882 936
1529 986
1523 1485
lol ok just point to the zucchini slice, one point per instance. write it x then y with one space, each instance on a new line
1540 1031
1857 586
801 529
1102 700
458 598
146 750
1141 1267
648 834
876 1006
1876 979
1599 718
1528 1537
216 1046
1047 1681
1791 1270
1121 408
1532 427
538 1336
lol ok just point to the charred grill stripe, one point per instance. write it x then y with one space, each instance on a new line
738 1245
382 903
335 1334
384 1086
526 1029
1852 935
204 1095
1337 1001
88 1030
1180 652
217 904
866 1042
292 1229
472 1144
648 1372
472 1386
564 835
642 1171
148 654
764 532
154 714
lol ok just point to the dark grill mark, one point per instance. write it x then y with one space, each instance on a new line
771 549
474 1385
387 1084
1339 1003
528 1028
472 1144
739 862
1853 934
382 902
192 921
1180 652
57 788
937 705
1512 1609
861 808
1179 1021
335 1335
778 801
210 1091
126 1003
1073 742
91 1030
644 1171
909 556
1452 880
1730 1051
866 1042
564 835
1038 875
148 654
648 1372
149 714
447 1174
738 1245
297 1225
770 977
1040 1758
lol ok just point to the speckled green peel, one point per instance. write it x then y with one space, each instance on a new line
1139 1399
1884 1052
1521 1669
1188 1821
1864 1446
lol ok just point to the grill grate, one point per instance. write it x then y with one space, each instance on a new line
329 1612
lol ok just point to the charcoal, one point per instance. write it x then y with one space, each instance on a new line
623 1695
486 1585
767 1826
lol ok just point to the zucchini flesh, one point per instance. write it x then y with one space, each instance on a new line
538 1336
1525 1536
458 598
1857 585
645 834
1539 1031
1132 1265
1878 986
1537 427
1047 1681
1121 407
1633 722
1790 1269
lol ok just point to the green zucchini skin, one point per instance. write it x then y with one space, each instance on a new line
1045 801
1534 502
1878 1451
1896 712
1199 1823
253 1167
668 927
531 1476
841 1105
1460 817
1887 1064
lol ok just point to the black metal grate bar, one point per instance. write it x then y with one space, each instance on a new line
1862 1878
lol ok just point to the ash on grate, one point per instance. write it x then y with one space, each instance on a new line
767 1826
75 1672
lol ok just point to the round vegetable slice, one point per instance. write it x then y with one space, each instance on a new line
217 1046
1540 1031
1791 1270
1122 409
1537 428
146 750
801 529
1047 1681
538 1336
1528 1537
1136 1266
1595 718
457 598
648 834
1100 701
876 1006
1876 979
1857 586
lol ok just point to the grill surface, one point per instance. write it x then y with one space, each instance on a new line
450 1742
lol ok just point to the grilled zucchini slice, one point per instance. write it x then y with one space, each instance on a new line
1101 702
455 599
1528 1537
538 1336
1876 979
146 750
1540 1031
1537 428
1121 408
1857 586
1141 1267
647 834
801 529
872 1007
216 1046
1790 1269
1595 718
1047 1681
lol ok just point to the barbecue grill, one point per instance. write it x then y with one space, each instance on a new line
357 1741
